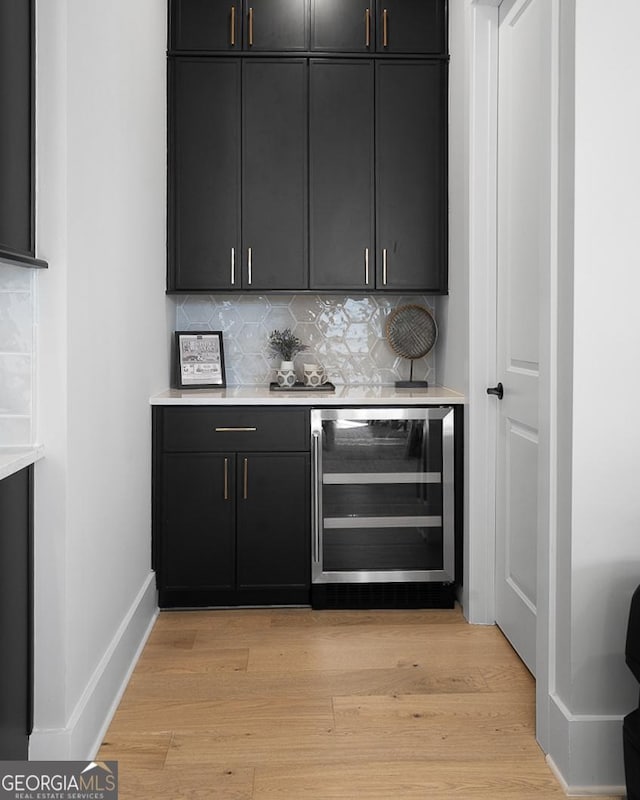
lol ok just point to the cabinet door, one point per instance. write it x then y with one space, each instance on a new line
275 25
411 26
273 520
15 615
342 26
206 25
341 154
411 158
204 174
274 174
16 145
197 531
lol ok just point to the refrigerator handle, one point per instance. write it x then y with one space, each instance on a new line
315 488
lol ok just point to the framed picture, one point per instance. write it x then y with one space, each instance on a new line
199 360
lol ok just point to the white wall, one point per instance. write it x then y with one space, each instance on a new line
601 537
102 350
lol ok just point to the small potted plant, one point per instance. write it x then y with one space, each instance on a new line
286 345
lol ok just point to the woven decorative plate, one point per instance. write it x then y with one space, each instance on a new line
411 331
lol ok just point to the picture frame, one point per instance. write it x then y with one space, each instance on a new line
199 360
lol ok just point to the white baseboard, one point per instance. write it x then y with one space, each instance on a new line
83 734
585 752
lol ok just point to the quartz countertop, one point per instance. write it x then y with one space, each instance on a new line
13 459
343 395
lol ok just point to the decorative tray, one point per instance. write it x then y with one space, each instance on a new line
300 387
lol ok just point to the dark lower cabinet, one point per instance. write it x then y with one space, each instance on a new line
16 671
231 527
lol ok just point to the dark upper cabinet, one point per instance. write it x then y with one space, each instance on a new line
275 25
411 176
204 174
228 25
341 185
411 26
274 174
407 27
238 162
342 26
205 25
409 164
17 221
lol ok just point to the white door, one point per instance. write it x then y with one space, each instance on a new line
524 180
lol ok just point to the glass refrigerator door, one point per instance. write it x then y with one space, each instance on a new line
384 508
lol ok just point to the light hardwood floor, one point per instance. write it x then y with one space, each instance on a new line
301 704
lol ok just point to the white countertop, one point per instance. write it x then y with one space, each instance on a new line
13 459
343 395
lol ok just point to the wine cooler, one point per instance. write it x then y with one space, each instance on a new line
383 499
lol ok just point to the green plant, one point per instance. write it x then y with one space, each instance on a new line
285 344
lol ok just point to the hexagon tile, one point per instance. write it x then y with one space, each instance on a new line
346 334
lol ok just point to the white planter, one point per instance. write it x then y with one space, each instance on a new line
286 375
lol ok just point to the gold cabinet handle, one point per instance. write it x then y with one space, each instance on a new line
226 479
385 28
249 266
235 429
246 479
366 266
250 27
384 266
232 37
367 28
233 266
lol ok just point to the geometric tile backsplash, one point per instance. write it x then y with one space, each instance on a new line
346 334
17 355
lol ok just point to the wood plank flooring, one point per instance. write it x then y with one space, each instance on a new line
279 704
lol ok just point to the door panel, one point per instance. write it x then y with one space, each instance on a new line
274 174
412 26
275 25
204 190
410 175
206 24
198 521
273 520
524 169
342 26
16 143
341 155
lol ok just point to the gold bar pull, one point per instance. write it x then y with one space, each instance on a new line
249 266
226 479
385 28
250 27
384 266
235 429
233 26
246 479
367 28
366 266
